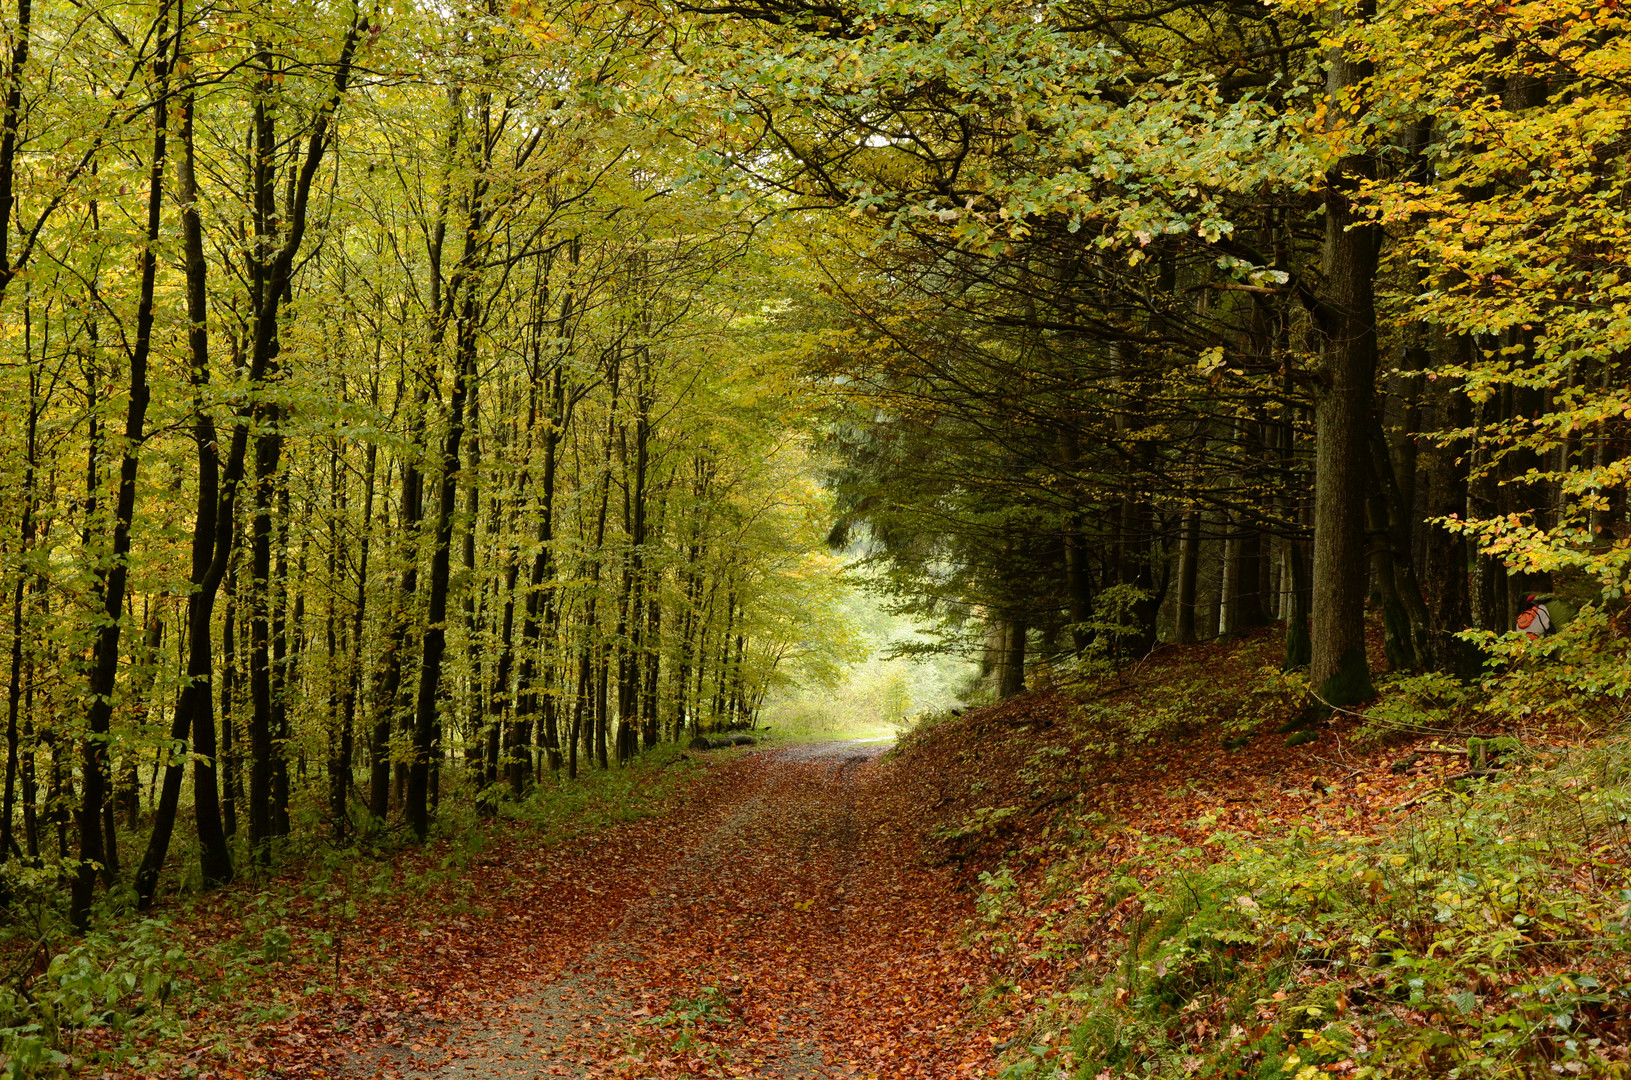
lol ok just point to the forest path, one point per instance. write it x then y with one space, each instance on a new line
781 925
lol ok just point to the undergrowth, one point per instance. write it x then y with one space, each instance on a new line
1483 930
123 996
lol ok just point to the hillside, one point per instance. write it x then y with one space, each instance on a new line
1165 888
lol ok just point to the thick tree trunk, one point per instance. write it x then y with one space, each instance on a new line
1011 663
996 670
1344 391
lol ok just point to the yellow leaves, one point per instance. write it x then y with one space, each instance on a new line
1304 1072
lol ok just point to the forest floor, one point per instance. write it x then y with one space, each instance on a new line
1085 882
778 920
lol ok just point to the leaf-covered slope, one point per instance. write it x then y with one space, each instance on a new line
1152 902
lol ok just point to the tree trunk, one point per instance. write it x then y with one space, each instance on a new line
1011 662
10 129
14 687
1189 564
1445 567
1489 592
288 649
1344 389
1405 617
538 599
112 580
434 642
212 538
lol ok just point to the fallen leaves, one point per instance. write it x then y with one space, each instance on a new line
802 913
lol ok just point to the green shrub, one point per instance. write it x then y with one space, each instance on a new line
117 980
1487 939
1429 704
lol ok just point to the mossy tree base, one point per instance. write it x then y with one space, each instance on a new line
1350 683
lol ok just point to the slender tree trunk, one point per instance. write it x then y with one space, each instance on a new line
1246 577
596 735
212 539
268 450
339 799
14 688
10 129
691 623
1229 573
1484 501
1189 564
1295 604
279 232
288 647
1404 613
498 694
30 766
538 600
112 580
1447 583
389 687
474 601
434 641
232 773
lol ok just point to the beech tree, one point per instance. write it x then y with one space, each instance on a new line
436 360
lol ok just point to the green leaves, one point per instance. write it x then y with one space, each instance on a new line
1459 903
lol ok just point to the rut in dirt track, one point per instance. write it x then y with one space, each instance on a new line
795 889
